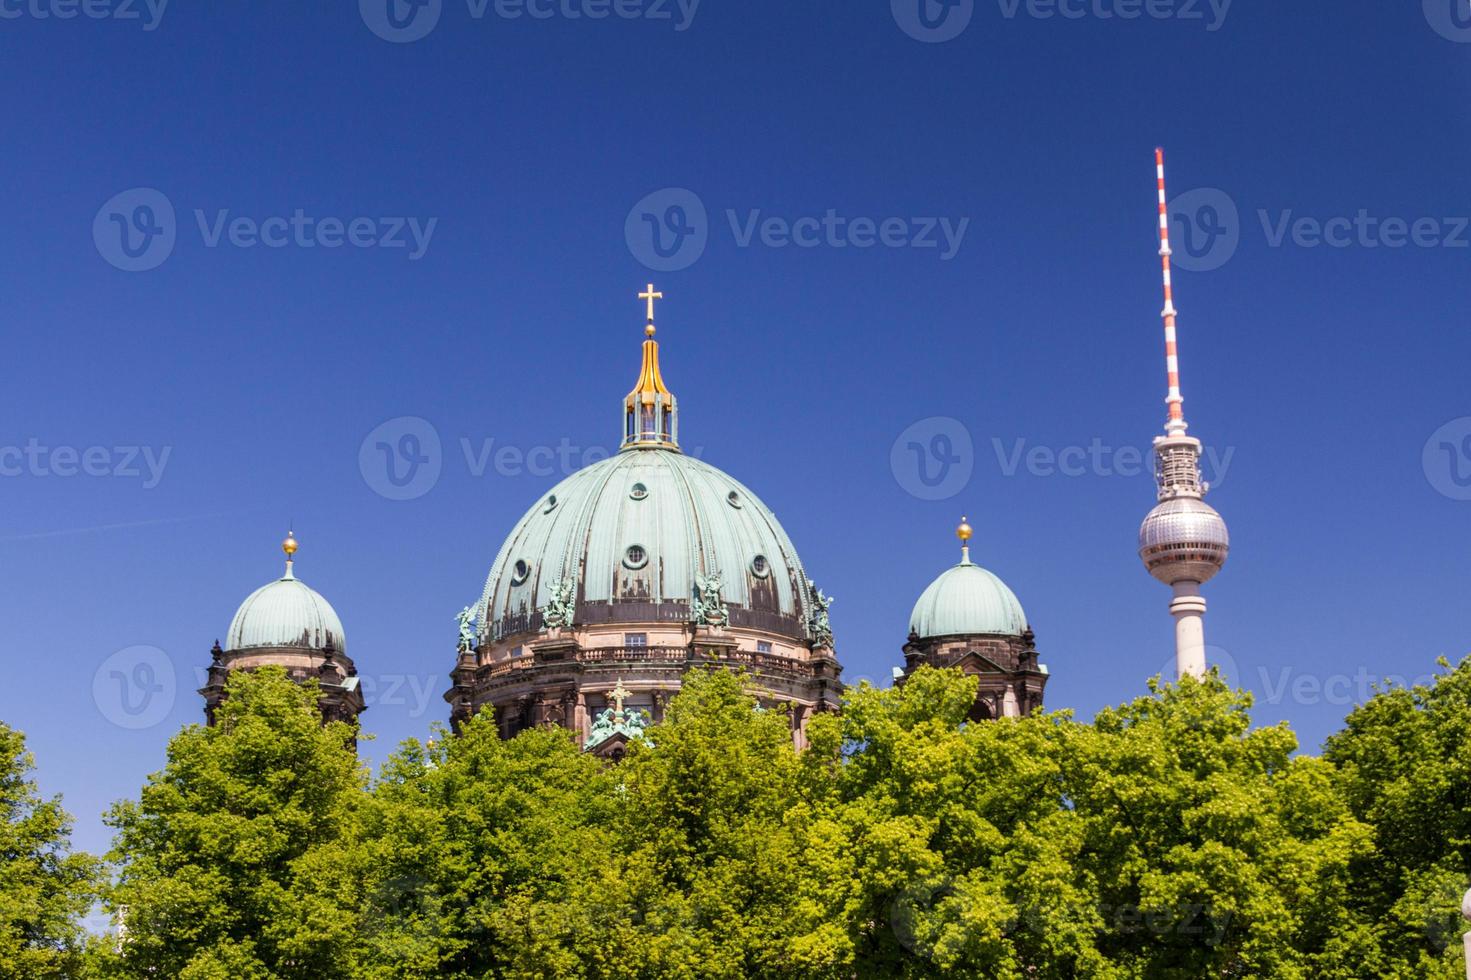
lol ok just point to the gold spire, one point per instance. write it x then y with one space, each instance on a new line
649 410
964 533
649 380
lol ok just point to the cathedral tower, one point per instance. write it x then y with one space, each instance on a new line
288 624
968 618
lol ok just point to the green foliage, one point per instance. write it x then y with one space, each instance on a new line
217 860
44 888
1404 766
1166 840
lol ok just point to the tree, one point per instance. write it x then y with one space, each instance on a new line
1404 766
477 856
529 858
217 858
45 889
1166 840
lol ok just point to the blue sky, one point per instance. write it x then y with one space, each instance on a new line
179 417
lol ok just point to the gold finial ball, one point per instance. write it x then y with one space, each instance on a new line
649 330
289 545
964 531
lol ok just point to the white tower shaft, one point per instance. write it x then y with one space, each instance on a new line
1188 608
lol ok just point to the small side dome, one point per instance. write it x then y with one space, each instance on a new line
286 613
967 600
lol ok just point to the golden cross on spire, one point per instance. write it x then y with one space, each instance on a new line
618 694
651 296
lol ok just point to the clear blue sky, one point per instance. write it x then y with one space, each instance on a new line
260 370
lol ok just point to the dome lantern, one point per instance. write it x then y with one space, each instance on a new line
650 410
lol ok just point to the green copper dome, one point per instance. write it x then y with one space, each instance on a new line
286 613
964 600
635 533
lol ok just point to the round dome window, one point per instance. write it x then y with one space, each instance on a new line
551 504
520 573
638 491
760 566
734 499
635 557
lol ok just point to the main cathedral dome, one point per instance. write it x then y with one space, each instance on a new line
640 529
632 572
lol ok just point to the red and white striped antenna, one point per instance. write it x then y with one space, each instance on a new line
1176 425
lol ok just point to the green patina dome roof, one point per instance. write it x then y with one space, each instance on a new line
640 528
967 599
286 613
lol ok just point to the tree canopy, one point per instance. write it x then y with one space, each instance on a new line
45 889
1168 838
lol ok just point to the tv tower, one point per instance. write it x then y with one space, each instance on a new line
1183 542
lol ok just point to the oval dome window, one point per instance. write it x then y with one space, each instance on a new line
635 557
520 573
638 491
760 567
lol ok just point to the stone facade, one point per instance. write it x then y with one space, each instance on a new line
1011 679
334 672
562 676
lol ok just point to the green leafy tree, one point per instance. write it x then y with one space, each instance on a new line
529 858
1167 840
218 857
1404 765
45 889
